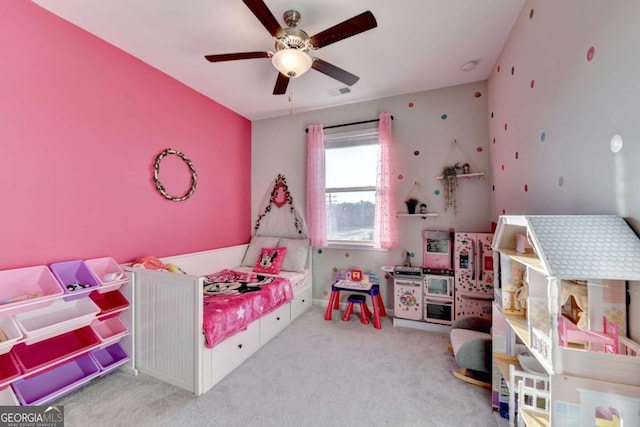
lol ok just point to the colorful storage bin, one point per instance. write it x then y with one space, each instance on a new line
51 385
110 303
58 318
11 334
45 353
109 358
9 369
22 289
74 278
8 397
108 272
110 329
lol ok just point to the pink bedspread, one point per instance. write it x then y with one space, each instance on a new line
233 299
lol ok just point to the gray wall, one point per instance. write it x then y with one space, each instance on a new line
579 104
279 146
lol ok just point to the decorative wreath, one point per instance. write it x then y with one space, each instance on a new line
156 172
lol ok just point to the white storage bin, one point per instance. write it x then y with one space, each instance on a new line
60 317
11 332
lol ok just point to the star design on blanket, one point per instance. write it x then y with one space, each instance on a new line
240 313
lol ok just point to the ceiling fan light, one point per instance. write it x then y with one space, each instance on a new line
291 62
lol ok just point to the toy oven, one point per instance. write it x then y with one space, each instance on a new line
438 310
438 286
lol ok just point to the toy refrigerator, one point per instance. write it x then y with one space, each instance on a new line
473 271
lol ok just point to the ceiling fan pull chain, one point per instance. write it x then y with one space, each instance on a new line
291 98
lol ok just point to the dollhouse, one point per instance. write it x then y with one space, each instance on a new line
561 301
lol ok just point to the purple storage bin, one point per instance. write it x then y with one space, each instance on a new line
109 358
51 385
74 277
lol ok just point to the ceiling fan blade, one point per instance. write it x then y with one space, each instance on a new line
281 85
264 15
334 72
356 25
234 56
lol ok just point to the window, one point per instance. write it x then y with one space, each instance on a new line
351 163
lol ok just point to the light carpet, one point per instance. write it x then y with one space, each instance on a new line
314 373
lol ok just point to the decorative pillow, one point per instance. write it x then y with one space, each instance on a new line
270 260
256 244
297 252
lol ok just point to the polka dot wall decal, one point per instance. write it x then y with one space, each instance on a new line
561 181
416 153
502 167
513 70
400 177
498 68
493 188
531 14
543 136
444 117
590 53
516 155
505 126
386 276
533 83
504 211
319 251
347 254
479 149
616 143
411 105
526 188
494 140
477 94
335 269
436 192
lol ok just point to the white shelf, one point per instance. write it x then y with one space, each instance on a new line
465 175
419 215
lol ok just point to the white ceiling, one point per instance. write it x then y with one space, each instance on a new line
418 45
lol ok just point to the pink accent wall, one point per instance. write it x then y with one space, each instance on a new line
81 123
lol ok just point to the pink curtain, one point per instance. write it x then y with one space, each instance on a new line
316 208
385 227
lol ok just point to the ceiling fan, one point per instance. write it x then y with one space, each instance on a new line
291 57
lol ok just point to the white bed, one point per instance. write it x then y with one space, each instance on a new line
169 340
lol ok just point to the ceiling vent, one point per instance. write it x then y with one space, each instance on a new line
339 91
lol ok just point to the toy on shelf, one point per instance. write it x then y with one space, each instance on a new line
607 341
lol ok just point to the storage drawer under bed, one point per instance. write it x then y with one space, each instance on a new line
274 322
230 353
303 301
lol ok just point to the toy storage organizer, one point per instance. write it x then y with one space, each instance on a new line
62 326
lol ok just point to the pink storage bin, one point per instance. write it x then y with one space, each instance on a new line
110 329
110 358
108 272
27 288
9 369
47 353
75 278
55 383
110 303
12 333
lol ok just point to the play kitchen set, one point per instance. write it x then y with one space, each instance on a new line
454 280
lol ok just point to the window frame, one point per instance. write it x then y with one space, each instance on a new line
344 140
